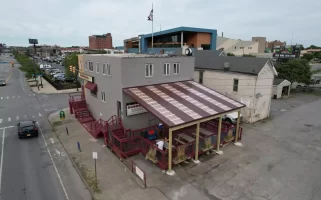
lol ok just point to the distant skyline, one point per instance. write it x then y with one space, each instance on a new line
69 23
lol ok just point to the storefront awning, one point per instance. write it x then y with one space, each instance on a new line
91 86
179 103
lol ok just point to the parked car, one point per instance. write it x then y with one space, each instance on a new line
231 117
59 75
3 82
67 79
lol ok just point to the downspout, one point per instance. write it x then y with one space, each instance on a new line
254 100
271 100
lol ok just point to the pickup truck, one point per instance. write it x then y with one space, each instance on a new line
231 117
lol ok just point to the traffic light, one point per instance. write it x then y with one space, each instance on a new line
70 68
62 115
74 70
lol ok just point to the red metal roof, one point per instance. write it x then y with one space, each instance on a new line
181 102
91 86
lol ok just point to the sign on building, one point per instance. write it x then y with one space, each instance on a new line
85 77
134 109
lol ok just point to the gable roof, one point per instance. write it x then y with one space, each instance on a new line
246 65
278 81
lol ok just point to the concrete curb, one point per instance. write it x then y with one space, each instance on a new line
70 158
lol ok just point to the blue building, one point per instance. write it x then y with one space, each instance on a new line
173 39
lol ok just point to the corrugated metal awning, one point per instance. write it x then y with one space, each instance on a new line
178 103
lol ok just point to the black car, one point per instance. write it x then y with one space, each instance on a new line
27 129
2 82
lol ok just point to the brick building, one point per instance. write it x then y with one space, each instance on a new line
104 41
274 43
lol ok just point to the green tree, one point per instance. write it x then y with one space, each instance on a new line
296 70
230 54
247 55
307 56
71 59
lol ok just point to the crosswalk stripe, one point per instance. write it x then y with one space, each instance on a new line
40 114
17 118
0 121
9 119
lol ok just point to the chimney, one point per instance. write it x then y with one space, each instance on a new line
226 66
222 34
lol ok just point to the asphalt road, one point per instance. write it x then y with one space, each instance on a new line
34 168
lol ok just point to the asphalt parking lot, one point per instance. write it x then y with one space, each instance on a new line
280 160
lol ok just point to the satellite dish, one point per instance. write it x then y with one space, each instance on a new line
188 52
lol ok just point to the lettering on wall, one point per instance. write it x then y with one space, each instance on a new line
134 109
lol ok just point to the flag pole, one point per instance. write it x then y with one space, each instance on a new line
153 29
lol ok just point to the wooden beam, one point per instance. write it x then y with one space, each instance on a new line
237 125
218 141
197 141
170 150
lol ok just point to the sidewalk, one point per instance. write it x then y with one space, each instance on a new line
115 181
49 89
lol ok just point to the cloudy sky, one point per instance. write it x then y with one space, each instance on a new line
70 22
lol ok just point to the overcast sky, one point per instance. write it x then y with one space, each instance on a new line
70 22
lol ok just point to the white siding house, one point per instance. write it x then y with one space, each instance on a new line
245 79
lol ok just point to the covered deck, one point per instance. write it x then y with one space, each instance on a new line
192 117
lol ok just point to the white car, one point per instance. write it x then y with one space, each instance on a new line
59 74
231 117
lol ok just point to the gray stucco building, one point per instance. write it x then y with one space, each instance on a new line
106 75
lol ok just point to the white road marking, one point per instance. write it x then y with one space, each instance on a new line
33 116
50 109
9 119
61 183
6 127
40 114
0 121
23 88
52 140
1 97
12 96
3 136
17 118
7 97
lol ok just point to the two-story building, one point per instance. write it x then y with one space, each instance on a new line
245 79
148 90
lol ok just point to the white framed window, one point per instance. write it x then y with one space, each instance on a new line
149 70
241 47
108 70
176 68
103 96
97 67
166 69
90 66
86 65
104 68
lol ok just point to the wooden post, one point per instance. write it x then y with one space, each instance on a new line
237 125
197 142
170 152
219 134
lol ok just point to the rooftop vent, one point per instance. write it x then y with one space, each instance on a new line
226 66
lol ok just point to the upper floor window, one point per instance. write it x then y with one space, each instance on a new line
241 47
104 68
90 66
176 68
97 67
108 70
86 65
236 85
249 47
149 70
166 69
